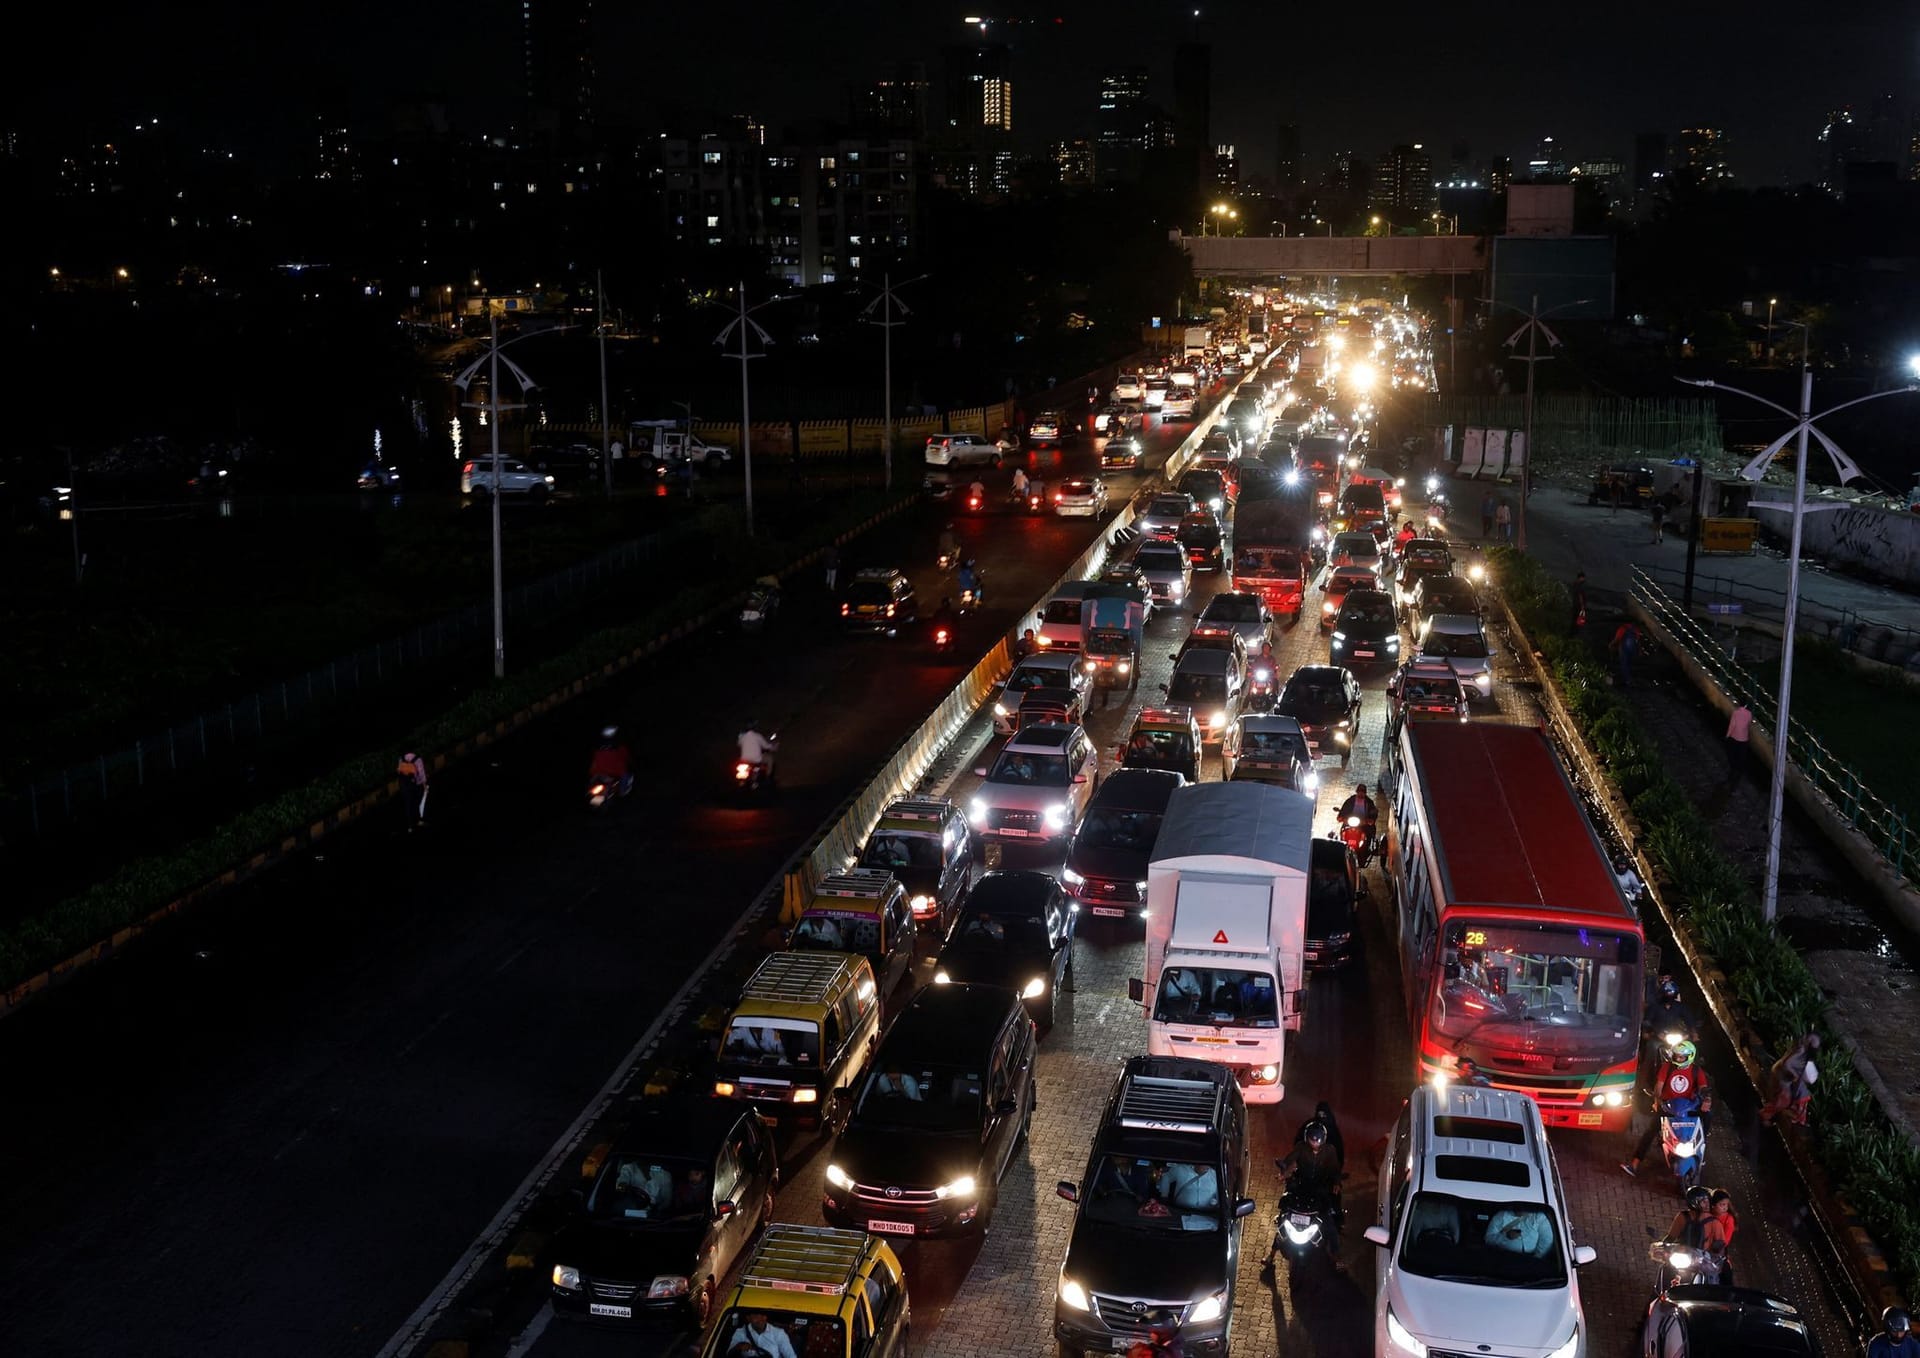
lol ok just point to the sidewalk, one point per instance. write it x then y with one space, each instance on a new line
1862 964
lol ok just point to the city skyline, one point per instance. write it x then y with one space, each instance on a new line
1438 82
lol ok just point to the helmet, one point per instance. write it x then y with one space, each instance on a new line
1721 1195
1683 1054
609 732
1897 1321
1315 1134
1669 989
1698 1197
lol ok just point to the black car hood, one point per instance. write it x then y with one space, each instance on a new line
1160 1265
881 1155
1130 864
989 964
1362 629
630 1253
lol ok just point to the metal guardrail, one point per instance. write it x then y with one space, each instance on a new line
1846 627
1884 825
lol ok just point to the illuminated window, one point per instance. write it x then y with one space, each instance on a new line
710 157
712 222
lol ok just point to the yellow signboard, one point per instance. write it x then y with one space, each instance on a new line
1729 535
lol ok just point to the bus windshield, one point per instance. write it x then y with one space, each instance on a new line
1563 990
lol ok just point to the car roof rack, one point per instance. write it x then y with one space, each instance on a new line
816 1259
915 808
865 883
1158 1103
794 977
875 573
1163 715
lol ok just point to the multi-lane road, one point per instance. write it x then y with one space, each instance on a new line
278 1126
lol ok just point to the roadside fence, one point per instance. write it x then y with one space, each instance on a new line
1846 627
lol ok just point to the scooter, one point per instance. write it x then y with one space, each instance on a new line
1260 689
600 791
1684 1266
942 638
749 776
1683 1141
762 602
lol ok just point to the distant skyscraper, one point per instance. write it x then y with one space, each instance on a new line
1226 168
1548 161
1871 134
979 91
1500 173
1121 119
1403 185
1700 158
556 53
1286 161
895 104
1193 107
1649 162
1074 161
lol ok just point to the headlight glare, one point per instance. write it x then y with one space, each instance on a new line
566 1277
1034 989
1206 1310
1073 1294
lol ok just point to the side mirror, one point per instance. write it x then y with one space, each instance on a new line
1584 1255
980 772
1242 1207
1378 1235
723 1210
1067 1189
1136 990
1079 777
1006 1107
1163 688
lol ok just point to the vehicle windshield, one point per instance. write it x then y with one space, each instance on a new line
1463 646
898 851
829 930
1367 608
868 593
1553 989
921 1098
642 1189
1159 559
1221 997
754 1333
1032 676
1272 745
1313 696
1488 1244
1107 827
1169 506
985 928
1155 1195
756 1042
1063 610
1447 594
1159 749
1227 609
1356 544
1032 770
1197 689
1430 691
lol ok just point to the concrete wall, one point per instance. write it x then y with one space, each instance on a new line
1883 541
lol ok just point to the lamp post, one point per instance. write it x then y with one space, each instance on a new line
493 359
886 301
1805 424
1377 220
1772 302
1451 218
1533 329
741 325
600 330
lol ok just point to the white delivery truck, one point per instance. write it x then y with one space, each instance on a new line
1226 929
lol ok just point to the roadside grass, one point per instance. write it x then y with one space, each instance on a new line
1865 719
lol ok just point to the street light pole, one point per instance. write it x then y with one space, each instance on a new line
1533 329
886 301
600 328
742 324
1805 425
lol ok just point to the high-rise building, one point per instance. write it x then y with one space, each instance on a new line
1700 158
1286 161
1548 161
979 91
1193 108
1074 162
556 59
1226 168
1500 173
1403 184
893 105
1649 163
1120 122
1871 134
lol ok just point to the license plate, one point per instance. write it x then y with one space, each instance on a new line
597 1308
1363 655
1313 955
1014 834
890 1227
1122 1344
1108 911
1591 1119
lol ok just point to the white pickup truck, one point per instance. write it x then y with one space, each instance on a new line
668 444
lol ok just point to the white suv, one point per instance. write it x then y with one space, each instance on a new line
1475 1253
516 478
960 450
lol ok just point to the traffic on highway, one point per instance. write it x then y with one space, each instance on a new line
1250 974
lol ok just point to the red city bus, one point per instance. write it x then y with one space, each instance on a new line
1517 948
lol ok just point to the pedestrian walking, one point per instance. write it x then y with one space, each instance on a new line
1580 604
1739 751
1623 648
1487 505
831 560
1503 520
1659 512
1790 1083
412 771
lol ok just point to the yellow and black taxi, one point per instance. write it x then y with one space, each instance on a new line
675 1198
815 1292
802 1031
878 599
862 910
939 1118
924 842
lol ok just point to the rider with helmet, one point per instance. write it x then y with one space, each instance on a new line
1896 1339
1680 1081
1696 1227
1314 1168
757 749
611 761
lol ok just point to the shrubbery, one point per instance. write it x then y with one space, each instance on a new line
1864 1154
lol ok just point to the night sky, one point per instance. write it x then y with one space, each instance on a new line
1360 76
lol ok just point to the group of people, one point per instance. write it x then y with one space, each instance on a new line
1496 518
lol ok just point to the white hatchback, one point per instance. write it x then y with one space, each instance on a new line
1475 1254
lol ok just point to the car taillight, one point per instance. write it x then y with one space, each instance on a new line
845 609
466 469
941 636
889 610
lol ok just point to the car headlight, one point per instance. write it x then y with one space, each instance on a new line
1339 638
1341 939
1056 816
1175 589
566 1277
838 1177
1141 886
1207 1309
1034 989
1393 643
1217 504
668 1286
1071 878
1218 719
1125 666
1073 1294
1000 710
920 902
941 978
806 1096
1328 607
1312 783
1483 681
961 1187
1090 666
1568 1349
977 811
1400 1339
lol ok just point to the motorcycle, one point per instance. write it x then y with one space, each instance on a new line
975 502
1304 1224
762 602
375 476
1260 690
1683 1141
949 558
942 638
1684 1266
1360 836
600 791
749 776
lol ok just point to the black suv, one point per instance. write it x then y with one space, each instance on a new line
924 842
878 599
946 1102
1156 1238
1106 866
1366 631
1325 700
681 1191
1016 930
1333 891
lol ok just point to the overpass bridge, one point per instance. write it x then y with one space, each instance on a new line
1255 257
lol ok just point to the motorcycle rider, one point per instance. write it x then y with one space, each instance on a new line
1679 1081
1362 806
943 619
1037 490
949 545
1695 1227
1897 1339
969 578
977 492
611 761
757 749
1314 1168
1019 483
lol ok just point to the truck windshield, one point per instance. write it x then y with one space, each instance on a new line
1221 997
1557 990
